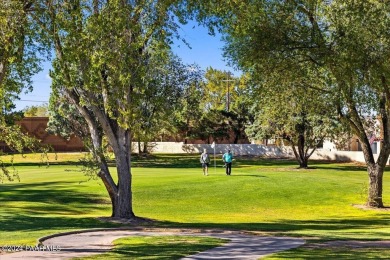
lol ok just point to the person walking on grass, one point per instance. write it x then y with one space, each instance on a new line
227 158
205 160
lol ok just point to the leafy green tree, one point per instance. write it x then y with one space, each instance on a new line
347 40
298 116
219 90
18 62
189 110
226 95
211 125
65 120
36 111
18 52
167 83
240 113
17 58
105 51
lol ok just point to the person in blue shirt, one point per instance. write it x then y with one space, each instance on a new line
227 159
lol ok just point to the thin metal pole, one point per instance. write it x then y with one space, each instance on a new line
228 91
215 163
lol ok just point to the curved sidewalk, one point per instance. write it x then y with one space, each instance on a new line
88 243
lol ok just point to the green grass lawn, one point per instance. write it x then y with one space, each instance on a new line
334 253
164 247
264 196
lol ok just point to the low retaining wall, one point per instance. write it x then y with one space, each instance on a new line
255 150
343 156
237 149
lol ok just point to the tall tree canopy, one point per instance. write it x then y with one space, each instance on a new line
106 54
189 110
36 111
225 102
167 84
348 40
293 115
19 51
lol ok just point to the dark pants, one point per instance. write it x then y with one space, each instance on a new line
228 168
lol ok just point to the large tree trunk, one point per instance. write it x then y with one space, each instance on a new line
300 157
236 137
123 207
96 138
303 160
302 153
375 169
120 193
375 173
118 138
146 147
299 151
303 163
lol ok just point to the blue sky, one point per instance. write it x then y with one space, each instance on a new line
206 51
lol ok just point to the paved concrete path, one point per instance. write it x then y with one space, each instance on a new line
241 246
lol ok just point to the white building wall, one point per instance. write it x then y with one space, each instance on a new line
328 152
237 149
329 146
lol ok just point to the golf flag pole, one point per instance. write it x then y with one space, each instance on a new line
215 165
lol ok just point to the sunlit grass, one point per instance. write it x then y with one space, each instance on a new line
261 196
34 158
315 202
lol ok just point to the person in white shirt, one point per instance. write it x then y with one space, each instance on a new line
205 160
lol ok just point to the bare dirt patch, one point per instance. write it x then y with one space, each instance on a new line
137 221
365 207
293 169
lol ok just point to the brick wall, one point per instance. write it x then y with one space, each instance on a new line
36 126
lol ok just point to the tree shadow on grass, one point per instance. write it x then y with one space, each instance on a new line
192 161
49 196
159 248
25 223
31 206
340 253
330 229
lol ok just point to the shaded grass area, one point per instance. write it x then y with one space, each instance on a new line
340 253
269 197
174 161
49 200
160 247
326 230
